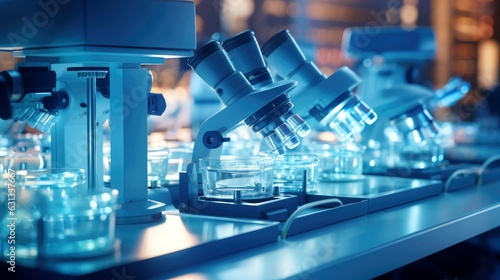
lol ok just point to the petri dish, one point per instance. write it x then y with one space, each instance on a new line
224 177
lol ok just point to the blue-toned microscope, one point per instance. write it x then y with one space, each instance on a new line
322 101
224 186
249 95
391 64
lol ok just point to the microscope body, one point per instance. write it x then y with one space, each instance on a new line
385 88
77 41
394 100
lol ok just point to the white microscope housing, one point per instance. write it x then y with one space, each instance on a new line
94 52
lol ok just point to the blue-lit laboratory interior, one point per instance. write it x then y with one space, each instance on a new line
250 139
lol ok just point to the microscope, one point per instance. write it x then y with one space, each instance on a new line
322 101
250 97
80 69
391 62
239 76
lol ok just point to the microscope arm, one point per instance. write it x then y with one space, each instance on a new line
341 81
229 117
399 99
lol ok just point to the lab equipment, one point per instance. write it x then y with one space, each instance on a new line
390 64
157 166
25 160
320 100
237 178
270 121
56 216
79 71
177 162
297 170
243 49
338 162
265 110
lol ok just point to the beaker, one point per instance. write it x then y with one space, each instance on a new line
292 167
227 177
54 215
339 161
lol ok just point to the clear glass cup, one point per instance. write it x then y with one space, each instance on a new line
178 160
427 154
158 164
54 215
159 168
82 225
339 161
225 177
291 168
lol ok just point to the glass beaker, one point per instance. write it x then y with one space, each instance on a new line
179 159
158 164
225 176
339 161
82 225
291 168
54 215
423 155
405 154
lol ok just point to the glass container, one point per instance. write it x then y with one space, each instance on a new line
177 162
424 155
227 177
162 162
428 153
158 164
56 216
292 167
26 160
339 161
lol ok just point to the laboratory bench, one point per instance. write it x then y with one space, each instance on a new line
187 246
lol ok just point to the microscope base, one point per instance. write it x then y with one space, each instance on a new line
148 211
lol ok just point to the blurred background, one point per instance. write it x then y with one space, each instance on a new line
467 33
